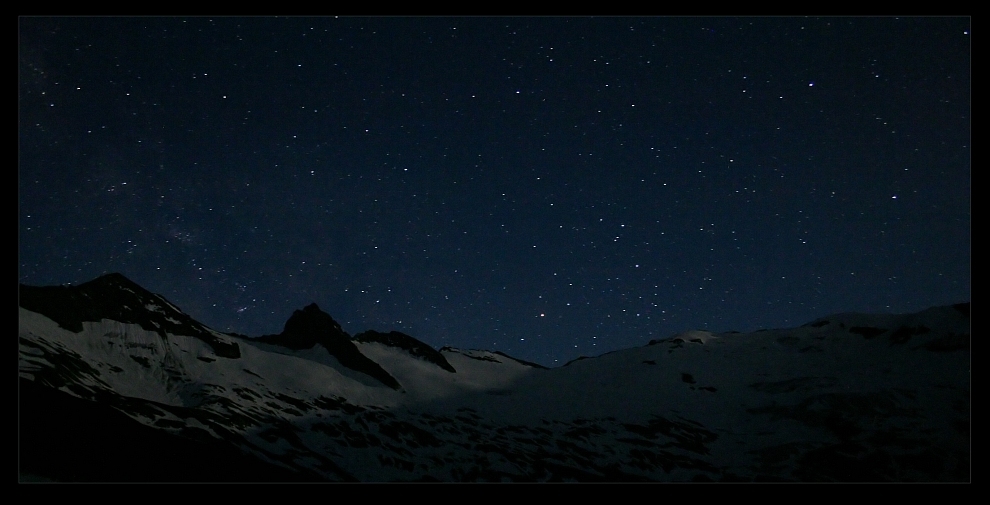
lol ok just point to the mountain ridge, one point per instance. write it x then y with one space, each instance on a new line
848 397
116 297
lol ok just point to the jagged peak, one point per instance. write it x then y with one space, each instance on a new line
114 279
312 325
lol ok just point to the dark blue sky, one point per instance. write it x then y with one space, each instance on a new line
547 187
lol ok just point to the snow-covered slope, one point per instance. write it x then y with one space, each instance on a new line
850 397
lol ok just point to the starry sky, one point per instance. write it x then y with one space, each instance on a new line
545 187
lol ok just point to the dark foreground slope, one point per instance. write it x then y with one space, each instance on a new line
67 439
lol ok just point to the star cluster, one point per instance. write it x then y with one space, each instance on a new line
547 187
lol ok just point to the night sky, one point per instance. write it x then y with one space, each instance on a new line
546 187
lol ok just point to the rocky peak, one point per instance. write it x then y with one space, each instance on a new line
309 326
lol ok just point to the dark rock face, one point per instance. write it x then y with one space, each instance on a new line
527 363
117 298
579 358
308 327
407 343
311 326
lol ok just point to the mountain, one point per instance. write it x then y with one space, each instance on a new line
118 384
311 326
